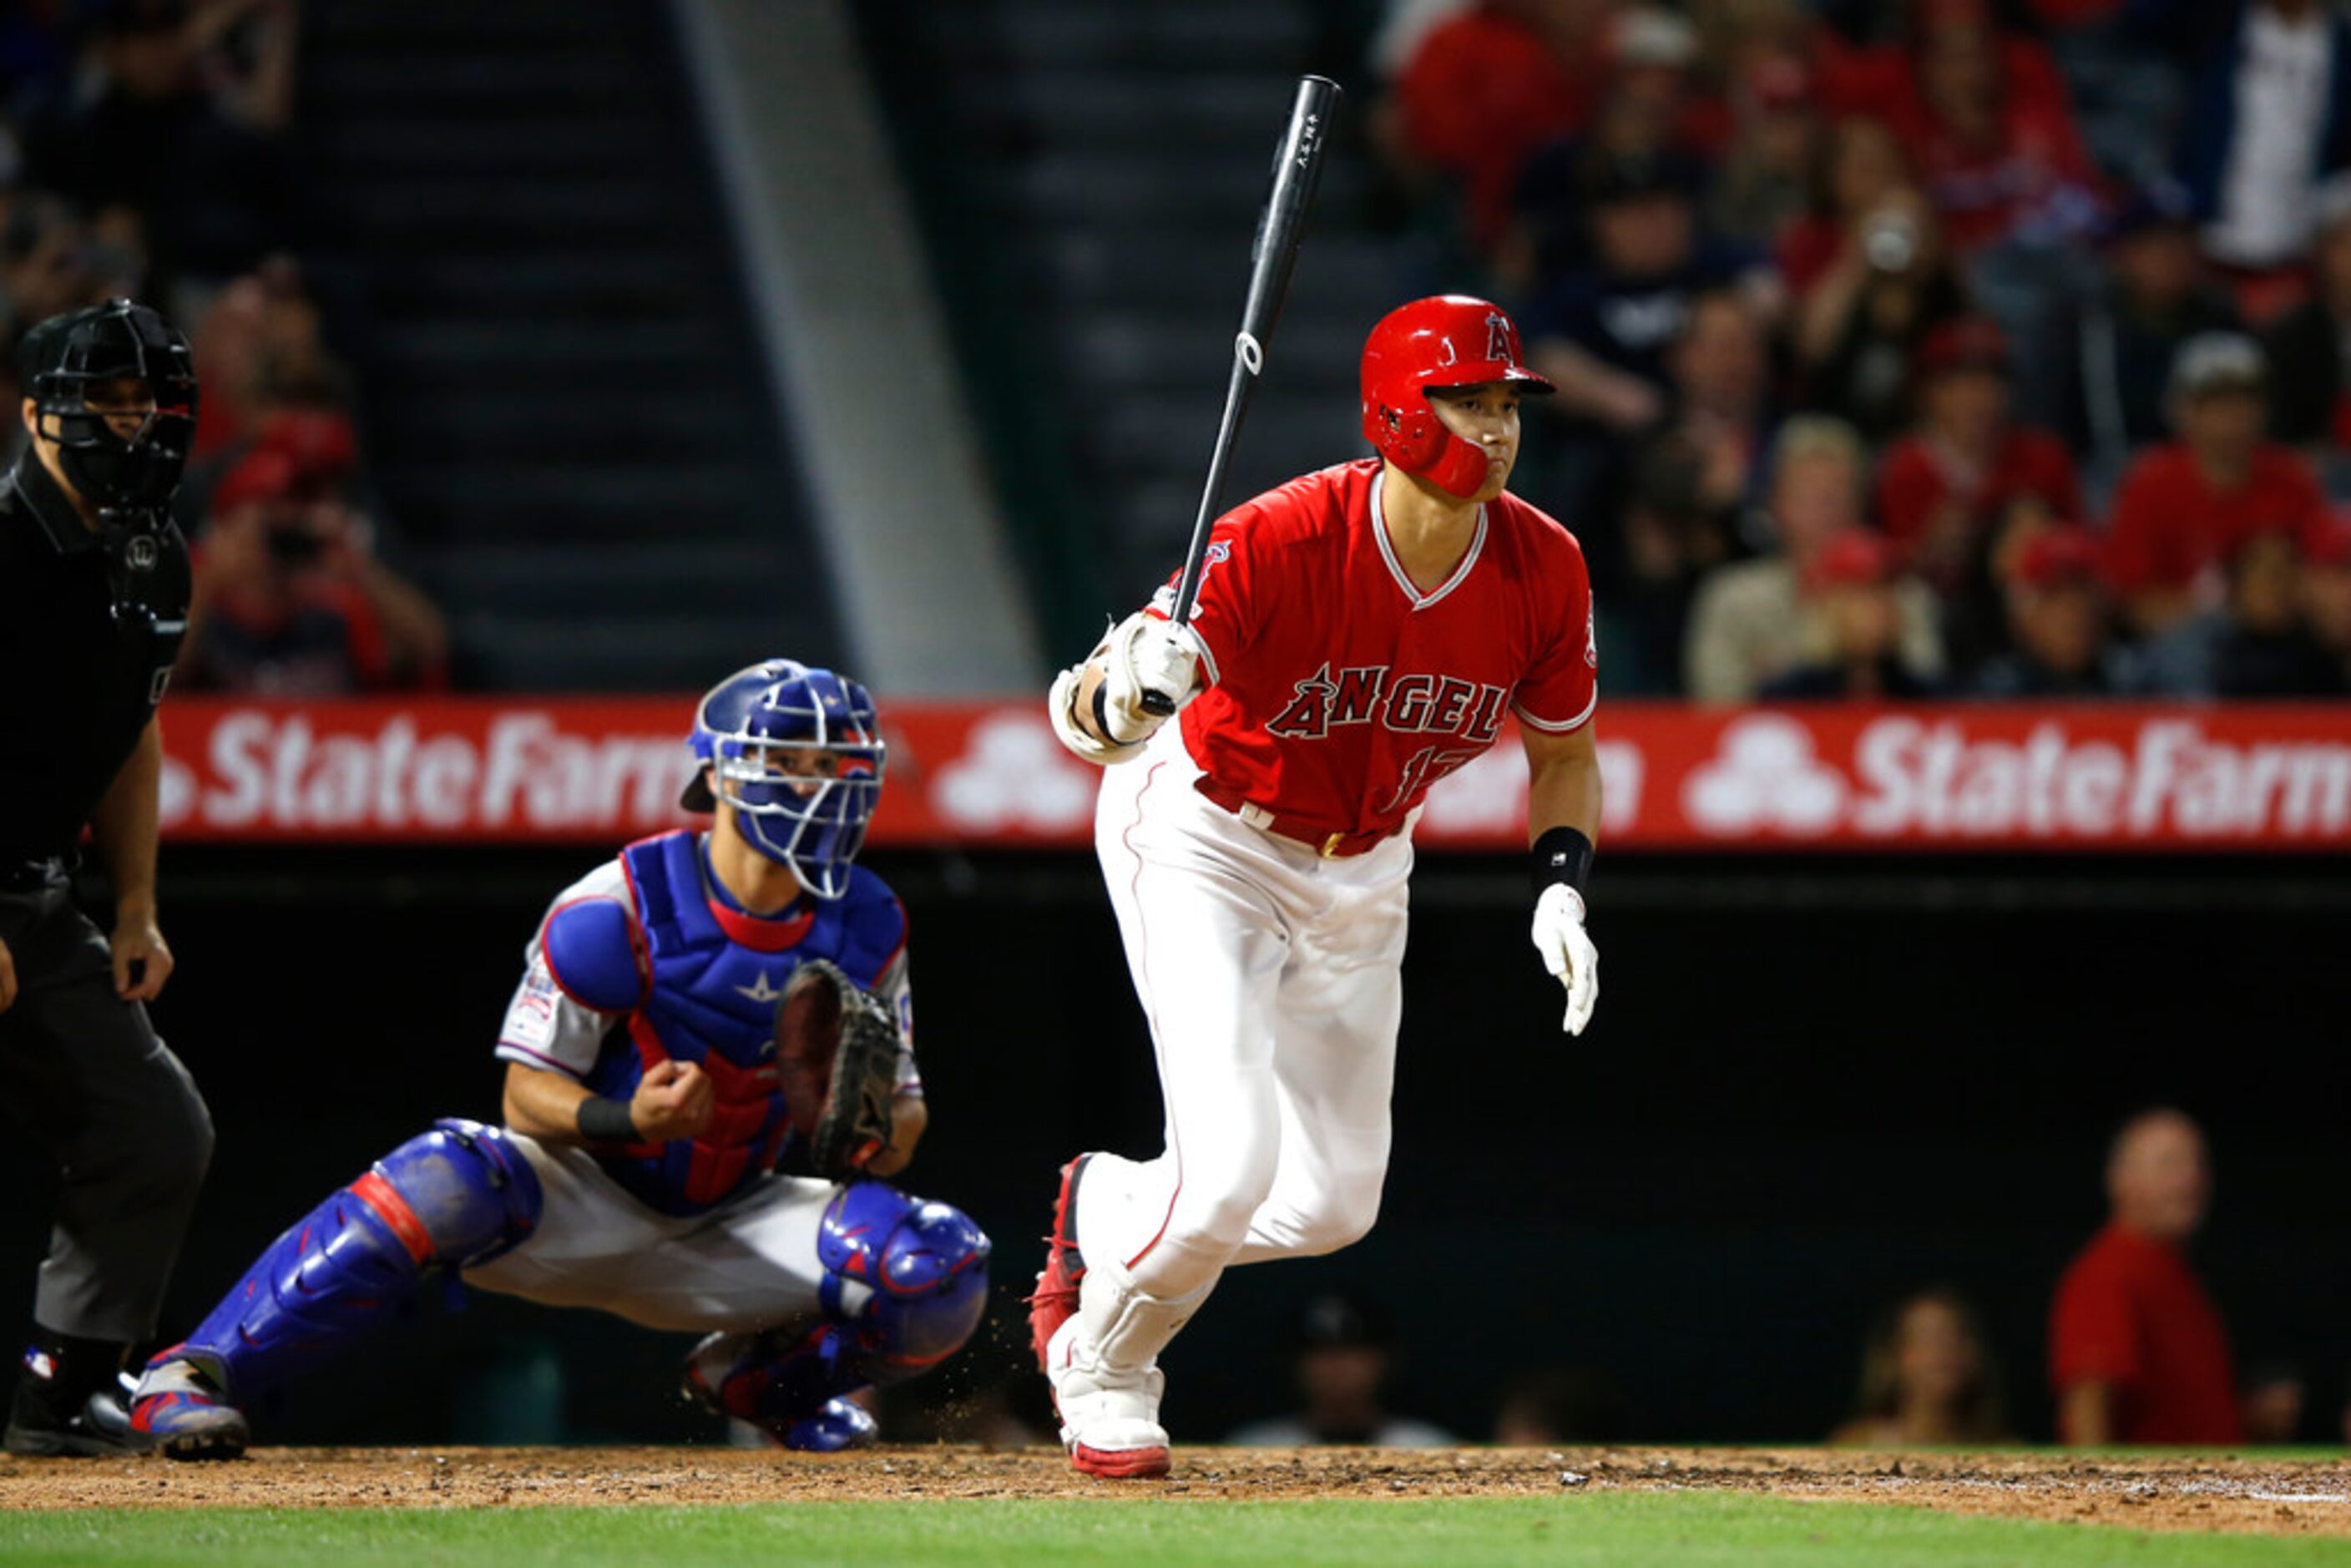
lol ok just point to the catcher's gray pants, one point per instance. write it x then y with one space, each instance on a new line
84 1077
748 1264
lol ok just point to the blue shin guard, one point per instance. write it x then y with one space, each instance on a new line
904 1284
451 1197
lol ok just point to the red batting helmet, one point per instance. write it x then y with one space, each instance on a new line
1445 340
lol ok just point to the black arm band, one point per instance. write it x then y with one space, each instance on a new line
603 1121
1563 855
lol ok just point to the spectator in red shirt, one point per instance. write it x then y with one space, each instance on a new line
2185 508
2138 1354
1968 476
1486 88
1987 121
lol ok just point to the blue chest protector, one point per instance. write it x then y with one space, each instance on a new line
696 981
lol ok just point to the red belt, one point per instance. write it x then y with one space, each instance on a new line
1328 844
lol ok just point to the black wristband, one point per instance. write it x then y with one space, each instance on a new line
1102 712
603 1121
1563 857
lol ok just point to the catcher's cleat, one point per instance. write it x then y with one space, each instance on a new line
1110 1420
770 1383
100 1429
1056 1297
182 1414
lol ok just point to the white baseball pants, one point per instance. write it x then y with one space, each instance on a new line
1270 978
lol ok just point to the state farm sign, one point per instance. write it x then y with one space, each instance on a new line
598 770
2164 778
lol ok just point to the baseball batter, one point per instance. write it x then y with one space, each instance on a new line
1361 632
686 1011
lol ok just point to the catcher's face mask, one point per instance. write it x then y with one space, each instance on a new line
803 766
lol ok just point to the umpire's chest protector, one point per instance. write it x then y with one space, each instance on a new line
712 980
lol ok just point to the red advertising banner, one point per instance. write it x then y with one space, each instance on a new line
600 770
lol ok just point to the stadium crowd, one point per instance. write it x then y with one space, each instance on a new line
1931 348
145 152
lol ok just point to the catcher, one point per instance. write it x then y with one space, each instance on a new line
692 1012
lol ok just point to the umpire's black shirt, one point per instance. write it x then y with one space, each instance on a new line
89 628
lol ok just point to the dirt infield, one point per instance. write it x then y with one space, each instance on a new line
2298 1497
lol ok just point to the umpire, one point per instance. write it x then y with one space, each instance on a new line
93 602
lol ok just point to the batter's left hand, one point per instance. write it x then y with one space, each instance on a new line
1567 951
142 959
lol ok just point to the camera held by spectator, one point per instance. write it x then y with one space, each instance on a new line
290 597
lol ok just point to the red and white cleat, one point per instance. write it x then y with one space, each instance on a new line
1110 1420
1055 1301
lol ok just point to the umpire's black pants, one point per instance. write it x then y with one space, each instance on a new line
85 1078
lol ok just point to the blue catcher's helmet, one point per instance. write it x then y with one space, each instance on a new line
796 751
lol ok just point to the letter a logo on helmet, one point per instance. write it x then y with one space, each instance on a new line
1413 351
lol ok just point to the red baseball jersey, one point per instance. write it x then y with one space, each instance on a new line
1340 689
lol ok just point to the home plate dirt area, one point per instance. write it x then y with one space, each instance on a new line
2273 1497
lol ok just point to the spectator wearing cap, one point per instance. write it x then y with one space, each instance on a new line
2268 115
2185 508
1486 88
1967 477
1753 621
2059 646
290 599
1852 588
2115 358
2326 592
2137 1353
2310 393
1345 1350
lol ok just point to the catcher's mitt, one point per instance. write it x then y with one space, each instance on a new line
837 1063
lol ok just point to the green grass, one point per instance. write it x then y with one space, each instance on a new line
1618 1529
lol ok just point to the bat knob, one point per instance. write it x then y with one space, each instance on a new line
1158 704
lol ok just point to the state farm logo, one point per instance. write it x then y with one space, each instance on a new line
1014 774
276 772
1931 778
1765 774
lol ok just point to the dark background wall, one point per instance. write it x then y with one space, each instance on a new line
1810 1087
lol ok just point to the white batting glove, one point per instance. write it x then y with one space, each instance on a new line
1567 951
1146 654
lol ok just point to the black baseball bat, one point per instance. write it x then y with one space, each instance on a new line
1297 165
